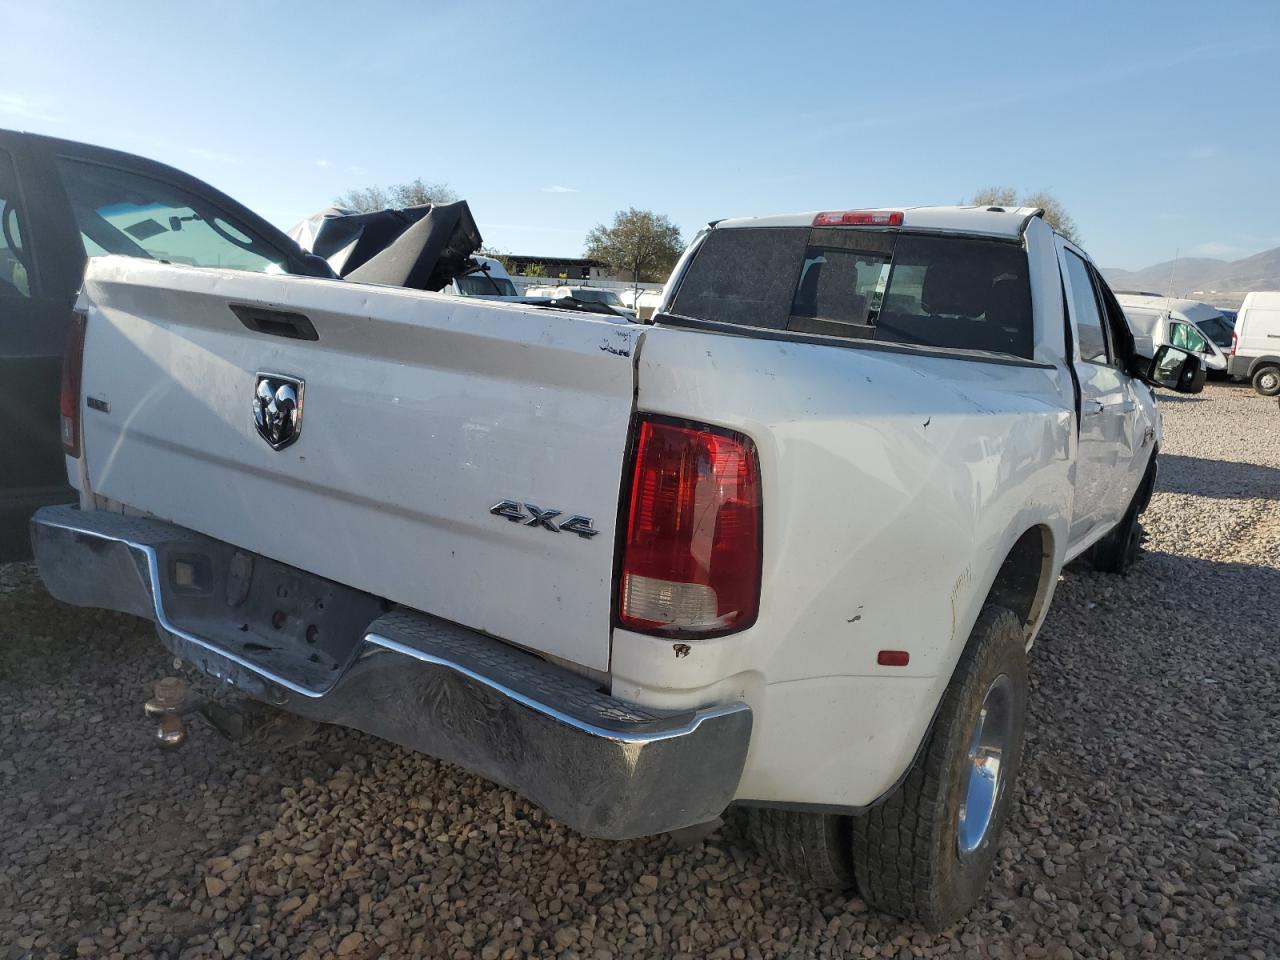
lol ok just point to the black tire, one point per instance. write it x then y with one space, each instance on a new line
906 853
1118 551
814 848
1266 380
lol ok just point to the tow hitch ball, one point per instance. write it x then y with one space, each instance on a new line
166 707
240 721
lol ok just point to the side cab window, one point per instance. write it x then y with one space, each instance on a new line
1086 310
1120 335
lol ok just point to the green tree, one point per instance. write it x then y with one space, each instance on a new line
535 270
411 194
996 197
1054 212
641 243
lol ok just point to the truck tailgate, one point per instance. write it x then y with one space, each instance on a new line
420 414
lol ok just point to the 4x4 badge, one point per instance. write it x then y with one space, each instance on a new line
537 517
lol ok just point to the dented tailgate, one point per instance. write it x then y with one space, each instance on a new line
420 414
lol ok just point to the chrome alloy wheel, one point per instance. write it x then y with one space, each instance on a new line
984 770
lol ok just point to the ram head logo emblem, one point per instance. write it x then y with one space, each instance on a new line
277 409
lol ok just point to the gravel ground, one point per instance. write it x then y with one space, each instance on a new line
1147 823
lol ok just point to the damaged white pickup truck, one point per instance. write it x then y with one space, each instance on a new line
786 547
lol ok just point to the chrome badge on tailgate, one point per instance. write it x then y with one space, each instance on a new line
277 409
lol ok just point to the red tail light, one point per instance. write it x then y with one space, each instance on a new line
69 398
691 554
1235 342
859 218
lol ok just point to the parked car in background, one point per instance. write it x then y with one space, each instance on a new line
61 202
1256 355
787 546
488 278
644 302
1219 329
585 295
1171 320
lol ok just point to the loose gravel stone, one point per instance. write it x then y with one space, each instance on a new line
1148 821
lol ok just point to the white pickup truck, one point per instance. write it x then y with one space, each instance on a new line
785 548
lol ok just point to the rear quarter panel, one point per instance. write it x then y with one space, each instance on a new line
894 486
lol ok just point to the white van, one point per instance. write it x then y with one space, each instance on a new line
1156 321
1256 354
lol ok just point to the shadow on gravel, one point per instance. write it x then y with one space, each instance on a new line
1222 479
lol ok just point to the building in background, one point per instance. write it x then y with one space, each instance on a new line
567 268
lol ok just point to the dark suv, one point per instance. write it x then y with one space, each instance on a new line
61 202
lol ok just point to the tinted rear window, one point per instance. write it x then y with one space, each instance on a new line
953 292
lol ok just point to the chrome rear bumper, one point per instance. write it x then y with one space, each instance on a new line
605 767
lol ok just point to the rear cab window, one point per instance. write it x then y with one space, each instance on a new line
926 290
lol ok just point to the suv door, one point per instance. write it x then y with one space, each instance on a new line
37 289
1108 409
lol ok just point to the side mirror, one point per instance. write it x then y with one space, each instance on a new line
1177 370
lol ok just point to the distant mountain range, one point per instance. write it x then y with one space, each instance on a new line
1220 282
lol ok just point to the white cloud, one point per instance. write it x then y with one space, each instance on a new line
14 105
322 163
558 189
214 156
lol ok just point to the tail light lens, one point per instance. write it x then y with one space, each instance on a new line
691 553
1235 342
69 398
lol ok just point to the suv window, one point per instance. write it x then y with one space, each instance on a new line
15 277
1084 309
126 213
935 291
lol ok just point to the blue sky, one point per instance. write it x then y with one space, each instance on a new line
1157 125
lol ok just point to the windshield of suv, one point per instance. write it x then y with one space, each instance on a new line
1217 329
122 212
953 292
482 285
